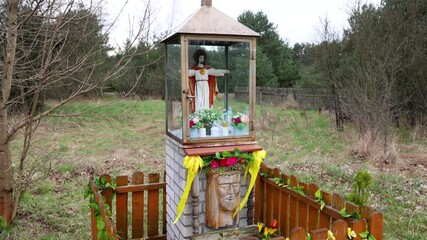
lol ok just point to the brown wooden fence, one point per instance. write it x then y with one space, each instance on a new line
299 214
147 202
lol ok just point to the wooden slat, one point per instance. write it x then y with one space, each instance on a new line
351 207
122 209
164 205
284 214
93 227
258 198
376 225
313 213
357 226
138 188
138 207
298 233
293 221
275 198
153 207
319 234
339 229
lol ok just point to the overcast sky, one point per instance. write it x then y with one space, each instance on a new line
296 20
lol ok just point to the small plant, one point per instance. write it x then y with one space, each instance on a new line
209 116
102 185
361 185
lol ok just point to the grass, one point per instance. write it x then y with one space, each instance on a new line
124 136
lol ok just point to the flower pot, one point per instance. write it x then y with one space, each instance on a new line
194 132
208 129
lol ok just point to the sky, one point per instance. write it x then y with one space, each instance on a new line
297 21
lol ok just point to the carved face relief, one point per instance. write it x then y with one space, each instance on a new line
222 199
228 191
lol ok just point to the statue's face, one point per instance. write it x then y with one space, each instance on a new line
202 59
228 190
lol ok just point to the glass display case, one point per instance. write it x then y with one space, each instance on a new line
210 84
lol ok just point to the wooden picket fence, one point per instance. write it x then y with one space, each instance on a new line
299 214
147 201
296 214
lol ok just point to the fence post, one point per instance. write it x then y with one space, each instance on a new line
122 208
298 233
137 206
339 229
153 206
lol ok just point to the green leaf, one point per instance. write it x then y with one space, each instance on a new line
344 213
100 224
218 155
318 194
322 204
364 234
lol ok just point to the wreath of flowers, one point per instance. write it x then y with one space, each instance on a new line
235 160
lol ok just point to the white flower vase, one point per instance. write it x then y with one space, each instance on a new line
224 131
214 131
194 132
240 131
202 132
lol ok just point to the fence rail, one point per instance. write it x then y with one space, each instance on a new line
299 214
147 201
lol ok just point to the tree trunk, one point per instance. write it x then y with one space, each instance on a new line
6 176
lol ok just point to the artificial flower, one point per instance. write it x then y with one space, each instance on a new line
273 223
260 226
350 233
330 235
268 231
214 164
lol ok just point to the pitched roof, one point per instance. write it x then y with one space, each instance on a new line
209 20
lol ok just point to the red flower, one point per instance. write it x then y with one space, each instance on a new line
273 223
214 164
237 120
191 123
232 160
223 162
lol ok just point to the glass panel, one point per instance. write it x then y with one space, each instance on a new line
173 90
219 80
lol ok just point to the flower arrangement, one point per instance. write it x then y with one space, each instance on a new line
209 116
195 122
240 120
235 160
267 232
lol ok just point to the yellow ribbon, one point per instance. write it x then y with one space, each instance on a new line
253 169
192 164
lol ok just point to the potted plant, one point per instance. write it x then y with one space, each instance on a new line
240 123
207 117
195 125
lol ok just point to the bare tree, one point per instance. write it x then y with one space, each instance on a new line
328 63
65 50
